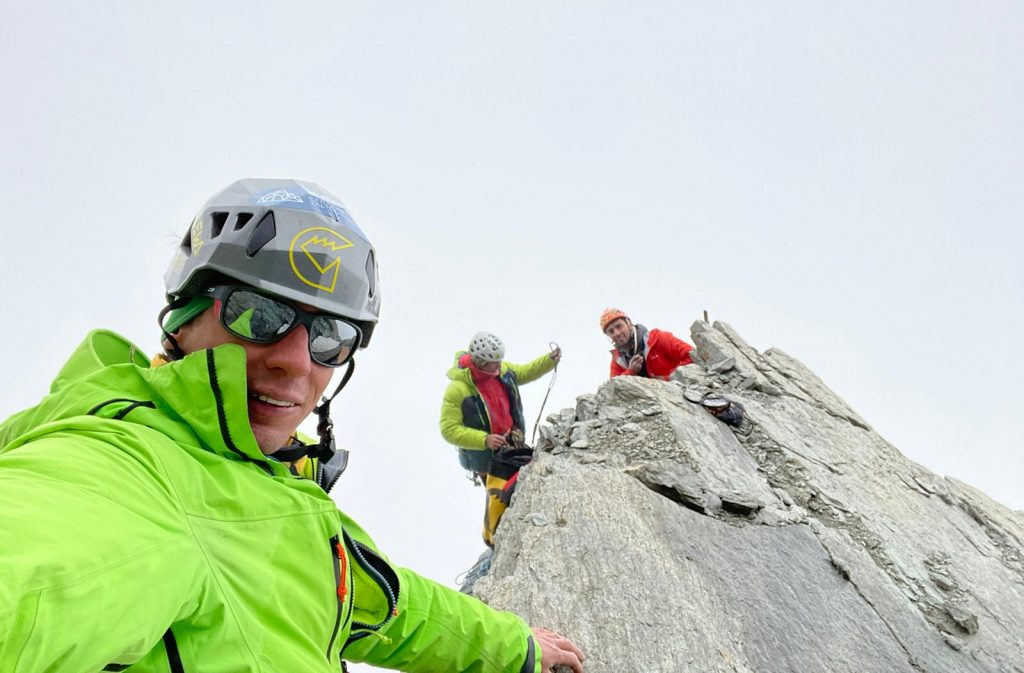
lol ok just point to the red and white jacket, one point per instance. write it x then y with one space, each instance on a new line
662 351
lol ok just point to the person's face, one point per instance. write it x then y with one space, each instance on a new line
284 383
619 331
492 368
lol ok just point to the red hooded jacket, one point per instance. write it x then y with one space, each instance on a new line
663 352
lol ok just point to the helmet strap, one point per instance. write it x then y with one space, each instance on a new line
327 447
174 352
325 426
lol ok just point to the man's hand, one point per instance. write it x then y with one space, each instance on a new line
636 363
495 441
556 354
557 650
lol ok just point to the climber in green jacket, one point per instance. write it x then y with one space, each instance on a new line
481 406
149 518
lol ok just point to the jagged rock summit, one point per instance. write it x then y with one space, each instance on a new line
660 539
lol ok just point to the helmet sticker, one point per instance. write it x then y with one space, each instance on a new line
314 259
282 197
197 235
178 263
278 196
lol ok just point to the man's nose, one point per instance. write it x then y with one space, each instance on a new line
290 354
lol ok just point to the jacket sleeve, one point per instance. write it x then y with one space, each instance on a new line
619 370
533 370
676 349
452 428
85 529
440 629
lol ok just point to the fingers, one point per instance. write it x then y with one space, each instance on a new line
557 650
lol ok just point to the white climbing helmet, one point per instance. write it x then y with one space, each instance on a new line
486 347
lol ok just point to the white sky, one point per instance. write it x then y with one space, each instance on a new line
840 180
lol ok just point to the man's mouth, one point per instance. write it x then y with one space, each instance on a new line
271 400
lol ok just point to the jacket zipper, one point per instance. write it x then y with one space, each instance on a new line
173 656
341 583
374 566
170 648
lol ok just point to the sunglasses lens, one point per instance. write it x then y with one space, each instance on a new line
332 340
255 317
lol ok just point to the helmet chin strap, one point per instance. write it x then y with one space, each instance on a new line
327 447
174 352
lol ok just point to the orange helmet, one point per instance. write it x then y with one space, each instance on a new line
610 315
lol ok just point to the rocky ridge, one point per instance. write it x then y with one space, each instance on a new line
660 539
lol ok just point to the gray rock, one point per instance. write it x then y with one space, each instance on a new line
673 543
586 407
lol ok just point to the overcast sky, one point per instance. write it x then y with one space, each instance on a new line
839 180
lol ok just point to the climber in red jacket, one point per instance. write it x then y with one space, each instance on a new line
638 351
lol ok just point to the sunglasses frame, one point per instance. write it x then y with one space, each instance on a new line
303 317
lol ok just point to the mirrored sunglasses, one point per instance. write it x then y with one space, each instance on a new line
262 319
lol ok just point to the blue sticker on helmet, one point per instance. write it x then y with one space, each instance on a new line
290 197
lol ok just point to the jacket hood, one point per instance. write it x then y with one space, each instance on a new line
201 399
460 372
457 372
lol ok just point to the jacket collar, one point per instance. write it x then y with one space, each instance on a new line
640 334
201 399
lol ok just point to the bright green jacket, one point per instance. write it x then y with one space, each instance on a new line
465 420
141 528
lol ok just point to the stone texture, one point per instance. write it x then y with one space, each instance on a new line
661 540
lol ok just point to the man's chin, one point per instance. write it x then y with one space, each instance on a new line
270 441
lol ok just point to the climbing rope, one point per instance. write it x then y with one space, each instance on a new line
554 375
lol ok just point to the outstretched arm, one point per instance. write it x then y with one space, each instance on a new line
440 629
534 369
677 349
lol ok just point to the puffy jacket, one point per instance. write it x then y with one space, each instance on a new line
465 421
144 530
663 352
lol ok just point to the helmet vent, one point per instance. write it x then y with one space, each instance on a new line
186 243
217 221
371 274
265 231
242 220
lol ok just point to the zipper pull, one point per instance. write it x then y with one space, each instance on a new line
342 580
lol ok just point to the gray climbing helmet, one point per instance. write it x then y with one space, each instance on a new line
487 347
292 239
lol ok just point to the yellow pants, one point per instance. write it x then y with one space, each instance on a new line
498 497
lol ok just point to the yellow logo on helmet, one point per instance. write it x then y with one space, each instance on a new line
314 259
197 235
